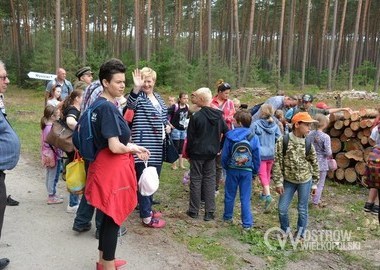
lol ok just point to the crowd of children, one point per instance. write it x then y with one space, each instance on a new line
223 142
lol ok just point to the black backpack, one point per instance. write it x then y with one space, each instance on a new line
256 108
285 143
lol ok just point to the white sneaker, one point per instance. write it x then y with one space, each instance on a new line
72 209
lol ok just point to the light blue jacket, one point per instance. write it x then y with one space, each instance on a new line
268 133
236 135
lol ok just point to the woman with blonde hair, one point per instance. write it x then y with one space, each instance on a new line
268 132
149 125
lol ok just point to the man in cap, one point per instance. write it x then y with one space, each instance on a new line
60 80
307 106
84 74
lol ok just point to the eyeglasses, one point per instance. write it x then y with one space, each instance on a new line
4 77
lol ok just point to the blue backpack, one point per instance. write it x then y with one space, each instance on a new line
83 138
242 154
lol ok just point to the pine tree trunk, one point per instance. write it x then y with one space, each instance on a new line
305 47
148 27
57 34
137 32
321 55
354 45
291 40
340 40
332 46
279 48
249 41
237 35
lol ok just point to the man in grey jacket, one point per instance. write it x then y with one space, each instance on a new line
9 153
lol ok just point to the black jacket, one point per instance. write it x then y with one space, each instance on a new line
204 134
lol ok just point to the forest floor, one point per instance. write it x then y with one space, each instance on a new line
39 236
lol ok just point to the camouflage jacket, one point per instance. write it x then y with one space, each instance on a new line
295 166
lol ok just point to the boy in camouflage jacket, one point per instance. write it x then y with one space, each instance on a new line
295 171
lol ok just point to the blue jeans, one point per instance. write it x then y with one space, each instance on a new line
286 198
243 180
86 211
57 173
84 214
145 202
73 200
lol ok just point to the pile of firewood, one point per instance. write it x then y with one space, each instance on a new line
350 143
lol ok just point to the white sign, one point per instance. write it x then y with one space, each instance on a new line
41 76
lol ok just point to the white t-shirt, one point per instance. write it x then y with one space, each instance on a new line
53 102
375 135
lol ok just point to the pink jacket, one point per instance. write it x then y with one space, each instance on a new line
48 155
228 109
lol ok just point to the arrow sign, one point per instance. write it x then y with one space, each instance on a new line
41 76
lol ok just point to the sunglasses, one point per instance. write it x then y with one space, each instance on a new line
224 87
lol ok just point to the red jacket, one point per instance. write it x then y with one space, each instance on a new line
111 184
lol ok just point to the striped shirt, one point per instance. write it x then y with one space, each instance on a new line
90 94
148 124
9 145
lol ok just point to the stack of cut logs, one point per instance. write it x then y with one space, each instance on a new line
350 143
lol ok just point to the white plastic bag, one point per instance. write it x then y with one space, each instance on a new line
149 181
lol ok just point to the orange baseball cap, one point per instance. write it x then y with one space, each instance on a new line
303 117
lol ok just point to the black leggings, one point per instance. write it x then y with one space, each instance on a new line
178 145
108 237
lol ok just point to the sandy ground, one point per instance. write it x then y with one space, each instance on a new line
39 236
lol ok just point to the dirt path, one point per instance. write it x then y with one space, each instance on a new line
39 236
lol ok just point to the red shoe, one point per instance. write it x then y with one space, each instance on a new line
155 223
156 214
119 264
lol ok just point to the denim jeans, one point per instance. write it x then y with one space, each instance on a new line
243 180
303 191
3 199
86 211
84 214
73 200
145 202
57 173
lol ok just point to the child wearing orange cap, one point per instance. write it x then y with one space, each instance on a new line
295 169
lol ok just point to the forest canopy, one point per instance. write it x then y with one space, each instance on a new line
328 43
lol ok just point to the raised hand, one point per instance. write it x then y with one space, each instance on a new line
137 79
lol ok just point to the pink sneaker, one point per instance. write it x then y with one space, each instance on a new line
54 200
156 214
155 223
119 264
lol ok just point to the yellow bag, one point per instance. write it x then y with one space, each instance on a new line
76 175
